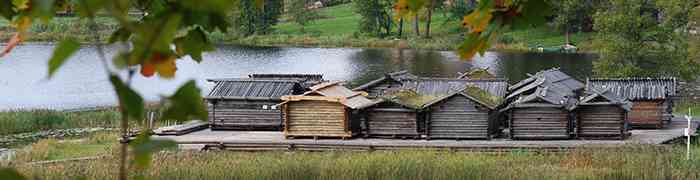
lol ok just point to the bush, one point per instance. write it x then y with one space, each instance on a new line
506 39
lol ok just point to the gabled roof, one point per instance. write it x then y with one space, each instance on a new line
477 73
247 88
553 79
333 91
638 88
408 98
398 76
473 93
595 96
306 80
544 96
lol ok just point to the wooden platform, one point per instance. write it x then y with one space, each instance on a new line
269 140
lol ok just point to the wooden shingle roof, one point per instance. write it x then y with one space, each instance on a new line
443 86
552 79
306 80
246 88
398 76
638 88
594 96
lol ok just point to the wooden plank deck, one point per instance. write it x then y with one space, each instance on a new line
270 140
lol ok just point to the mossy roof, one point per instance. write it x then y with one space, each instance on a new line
409 98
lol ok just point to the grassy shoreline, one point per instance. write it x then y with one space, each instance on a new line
337 28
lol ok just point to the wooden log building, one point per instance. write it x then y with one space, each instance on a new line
470 113
602 115
438 108
540 106
389 82
248 104
398 114
652 98
327 110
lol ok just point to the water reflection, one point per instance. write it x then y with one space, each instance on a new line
81 82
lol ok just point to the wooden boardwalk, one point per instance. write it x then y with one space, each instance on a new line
270 140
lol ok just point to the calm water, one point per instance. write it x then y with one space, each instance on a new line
82 82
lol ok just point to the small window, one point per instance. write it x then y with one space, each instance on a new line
264 106
273 107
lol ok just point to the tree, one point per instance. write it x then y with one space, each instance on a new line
644 38
255 18
375 16
300 14
574 15
167 31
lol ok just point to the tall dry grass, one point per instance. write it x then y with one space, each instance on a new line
632 162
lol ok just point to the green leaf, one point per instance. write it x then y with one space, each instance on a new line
6 9
186 104
144 147
88 8
44 9
61 53
193 44
130 101
10 174
121 34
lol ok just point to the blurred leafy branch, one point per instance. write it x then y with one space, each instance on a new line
487 21
166 31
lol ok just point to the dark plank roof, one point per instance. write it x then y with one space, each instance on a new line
553 79
443 86
398 76
306 80
596 96
545 95
246 88
638 88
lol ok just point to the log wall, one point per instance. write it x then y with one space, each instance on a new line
392 121
601 122
459 118
316 118
647 114
539 123
245 115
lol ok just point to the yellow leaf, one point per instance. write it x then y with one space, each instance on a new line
21 4
22 23
477 21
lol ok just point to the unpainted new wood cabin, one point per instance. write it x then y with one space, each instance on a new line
389 82
327 110
248 104
540 106
652 98
602 115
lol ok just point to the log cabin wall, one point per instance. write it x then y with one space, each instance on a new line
392 120
647 114
601 122
459 118
316 118
540 123
245 115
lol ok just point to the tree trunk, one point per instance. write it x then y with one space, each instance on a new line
400 27
430 17
416 26
123 175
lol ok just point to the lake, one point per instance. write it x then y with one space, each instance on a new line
81 82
